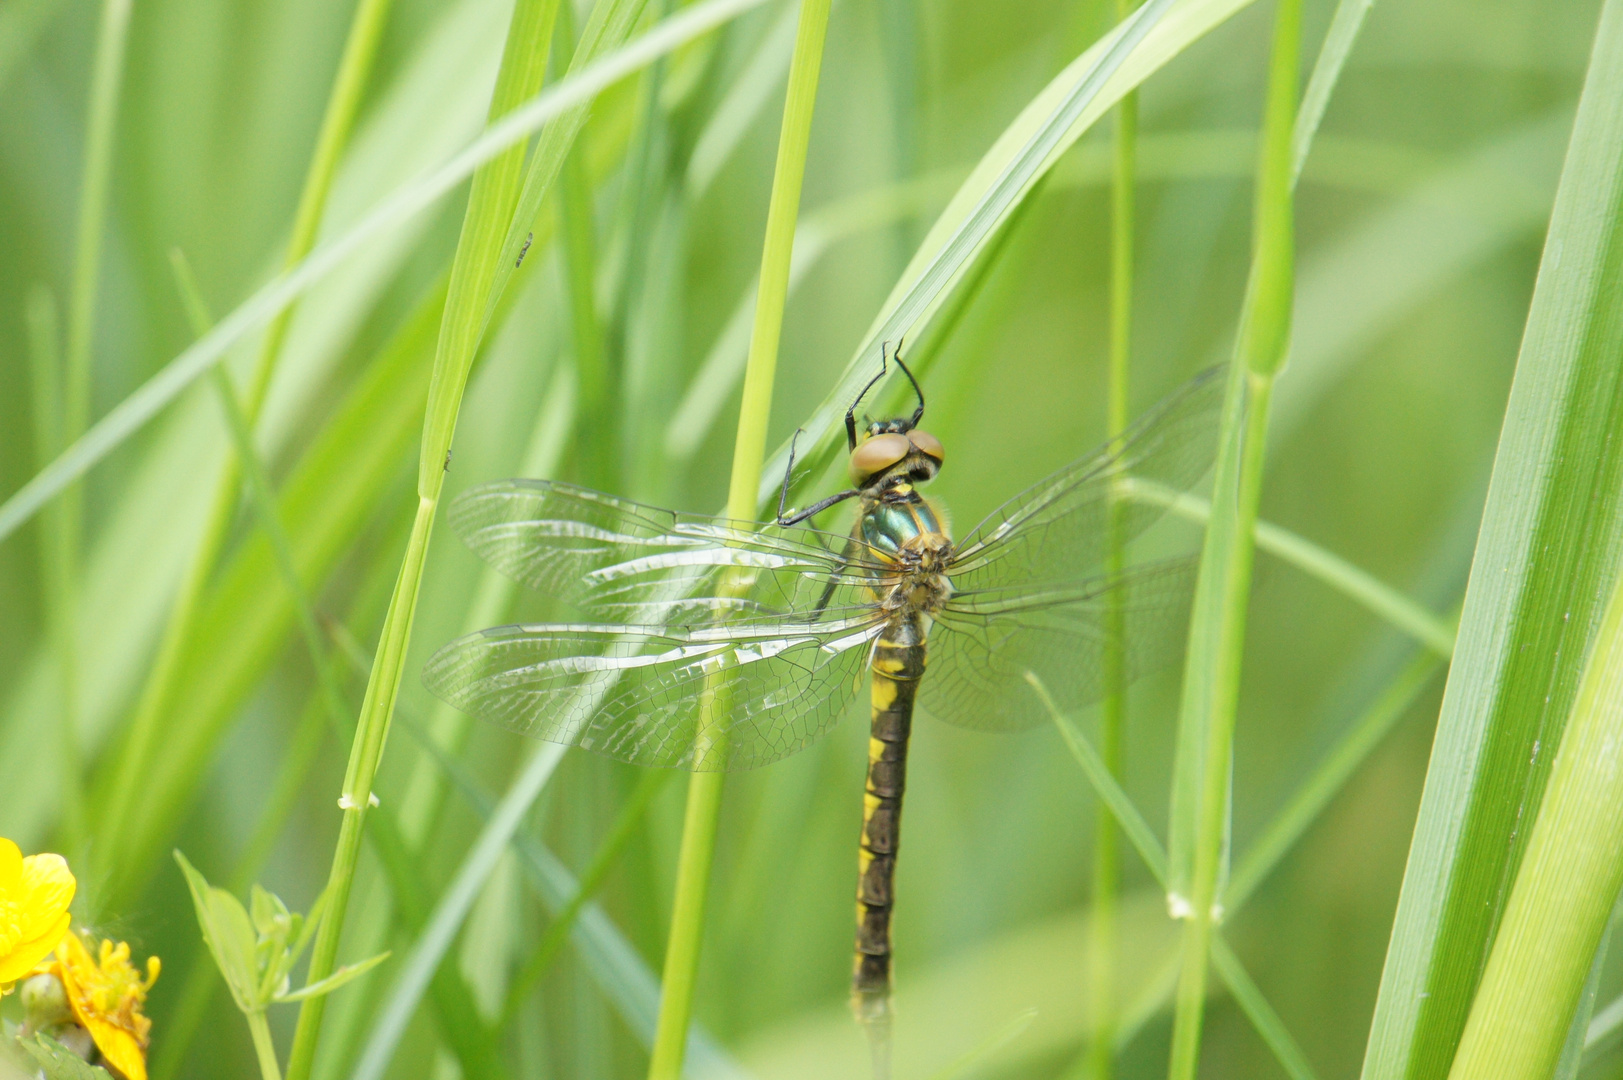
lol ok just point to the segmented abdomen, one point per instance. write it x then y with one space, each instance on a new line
898 664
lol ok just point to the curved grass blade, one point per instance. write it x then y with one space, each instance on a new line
1550 541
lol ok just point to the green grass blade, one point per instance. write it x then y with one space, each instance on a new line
1200 812
136 410
1546 552
1569 878
1338 43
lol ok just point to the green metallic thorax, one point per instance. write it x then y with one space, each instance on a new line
887 523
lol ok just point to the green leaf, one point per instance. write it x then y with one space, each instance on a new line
229 934
336 979
57 1062
1549 543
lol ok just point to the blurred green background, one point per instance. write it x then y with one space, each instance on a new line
1422 211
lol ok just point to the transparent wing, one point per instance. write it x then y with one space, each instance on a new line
984 644
708 699
1057 530
630 563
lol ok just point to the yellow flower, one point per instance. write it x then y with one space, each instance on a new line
34 896
106 994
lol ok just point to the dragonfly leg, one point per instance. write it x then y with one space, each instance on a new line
851 413
918 413
811 511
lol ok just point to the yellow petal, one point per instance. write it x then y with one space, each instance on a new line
23 956
47 888
120 1049
11 865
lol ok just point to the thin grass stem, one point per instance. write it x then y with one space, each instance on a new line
264 1048
704 789
1212 676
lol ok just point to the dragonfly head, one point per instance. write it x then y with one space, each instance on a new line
895 449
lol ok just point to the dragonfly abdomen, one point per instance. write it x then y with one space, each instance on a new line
897 667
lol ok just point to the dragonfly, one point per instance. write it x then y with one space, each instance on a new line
727 645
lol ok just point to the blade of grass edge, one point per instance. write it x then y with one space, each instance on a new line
1565 888
1548 543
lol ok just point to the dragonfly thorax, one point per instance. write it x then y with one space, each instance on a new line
919 584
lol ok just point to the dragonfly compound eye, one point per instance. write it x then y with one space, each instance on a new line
876 455
926 444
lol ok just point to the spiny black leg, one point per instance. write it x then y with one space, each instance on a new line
816 508
834 579
783 496
918 413
851 413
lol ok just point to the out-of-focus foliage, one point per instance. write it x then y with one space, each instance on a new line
1421 214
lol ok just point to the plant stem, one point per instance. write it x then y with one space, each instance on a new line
1113 708
264 1048
1212 693
704 789
354 70
468 301
1565 889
